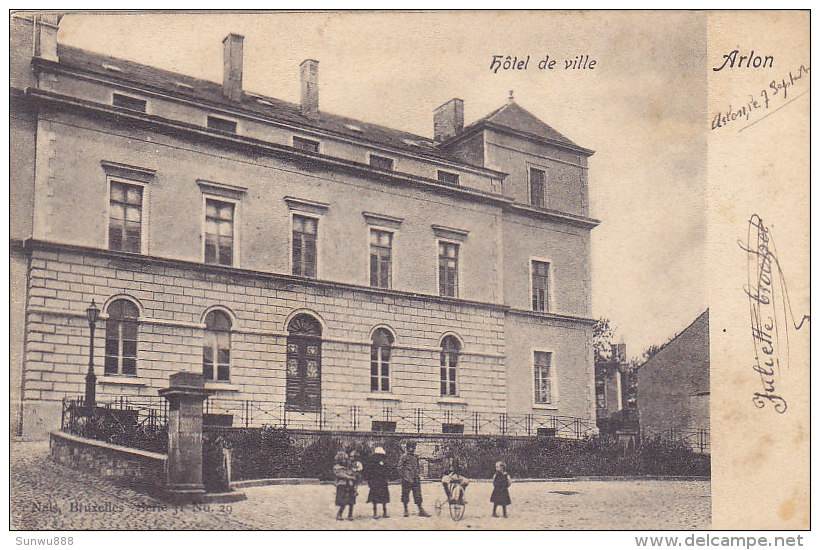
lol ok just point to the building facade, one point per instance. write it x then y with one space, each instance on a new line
302 261
673 387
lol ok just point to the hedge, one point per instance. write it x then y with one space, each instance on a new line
276 453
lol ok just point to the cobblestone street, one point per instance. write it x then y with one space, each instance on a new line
45 495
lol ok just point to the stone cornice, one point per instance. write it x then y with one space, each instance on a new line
34 244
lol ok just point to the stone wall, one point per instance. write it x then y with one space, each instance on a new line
141 469
173 298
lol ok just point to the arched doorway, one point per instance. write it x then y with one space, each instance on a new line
304 364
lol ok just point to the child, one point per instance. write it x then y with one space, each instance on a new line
452 467
501 489
377 475
356 469
410 472
345 479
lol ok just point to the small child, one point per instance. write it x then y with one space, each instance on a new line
377 475
356 469
452 477
345 492
501 489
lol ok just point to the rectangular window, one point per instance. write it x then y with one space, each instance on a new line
381 163
381 249
538 182
121 347
130 103
219 231
304 245
540 286
543 387
449 365
217 352
125 217
305 144
221 124
447 177
380 368
448 269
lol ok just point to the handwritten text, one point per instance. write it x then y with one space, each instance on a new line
770 313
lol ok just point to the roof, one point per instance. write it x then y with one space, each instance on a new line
514 117
195 88
510 116
678 335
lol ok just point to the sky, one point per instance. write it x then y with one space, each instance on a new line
642 109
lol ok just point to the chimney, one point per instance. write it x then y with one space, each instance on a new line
45 35
232 66
309 73
448 120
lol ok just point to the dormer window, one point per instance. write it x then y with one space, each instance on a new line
381 163
305 144
447 177
128 102
221 124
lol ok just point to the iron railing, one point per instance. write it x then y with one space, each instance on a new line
141 422
696 439
358 418
137 422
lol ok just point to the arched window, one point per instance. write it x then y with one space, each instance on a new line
380 351
303 390
216 351
450 347
121 338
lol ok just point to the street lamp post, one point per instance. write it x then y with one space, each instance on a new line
93 314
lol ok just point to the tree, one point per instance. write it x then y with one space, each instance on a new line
650 352
602 334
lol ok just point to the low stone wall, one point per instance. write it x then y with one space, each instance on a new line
142 470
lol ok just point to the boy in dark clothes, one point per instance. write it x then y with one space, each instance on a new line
410 473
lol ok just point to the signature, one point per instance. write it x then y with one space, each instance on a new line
771 98
770 312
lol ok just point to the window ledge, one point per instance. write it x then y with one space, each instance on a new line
383 397
544 406
221 386
451 401
122 380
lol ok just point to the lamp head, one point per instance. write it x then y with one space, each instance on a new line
93 313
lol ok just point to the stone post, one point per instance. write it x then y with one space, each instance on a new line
185 395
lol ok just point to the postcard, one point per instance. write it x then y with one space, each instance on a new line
435 270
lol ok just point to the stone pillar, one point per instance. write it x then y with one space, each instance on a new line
185 395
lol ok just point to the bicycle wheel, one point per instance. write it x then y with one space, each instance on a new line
457 502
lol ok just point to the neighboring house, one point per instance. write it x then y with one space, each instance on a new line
673 388
306 263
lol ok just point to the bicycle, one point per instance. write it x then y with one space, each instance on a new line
456 502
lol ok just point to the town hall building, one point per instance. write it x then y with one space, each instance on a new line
309 264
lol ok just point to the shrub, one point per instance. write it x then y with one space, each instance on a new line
270 452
